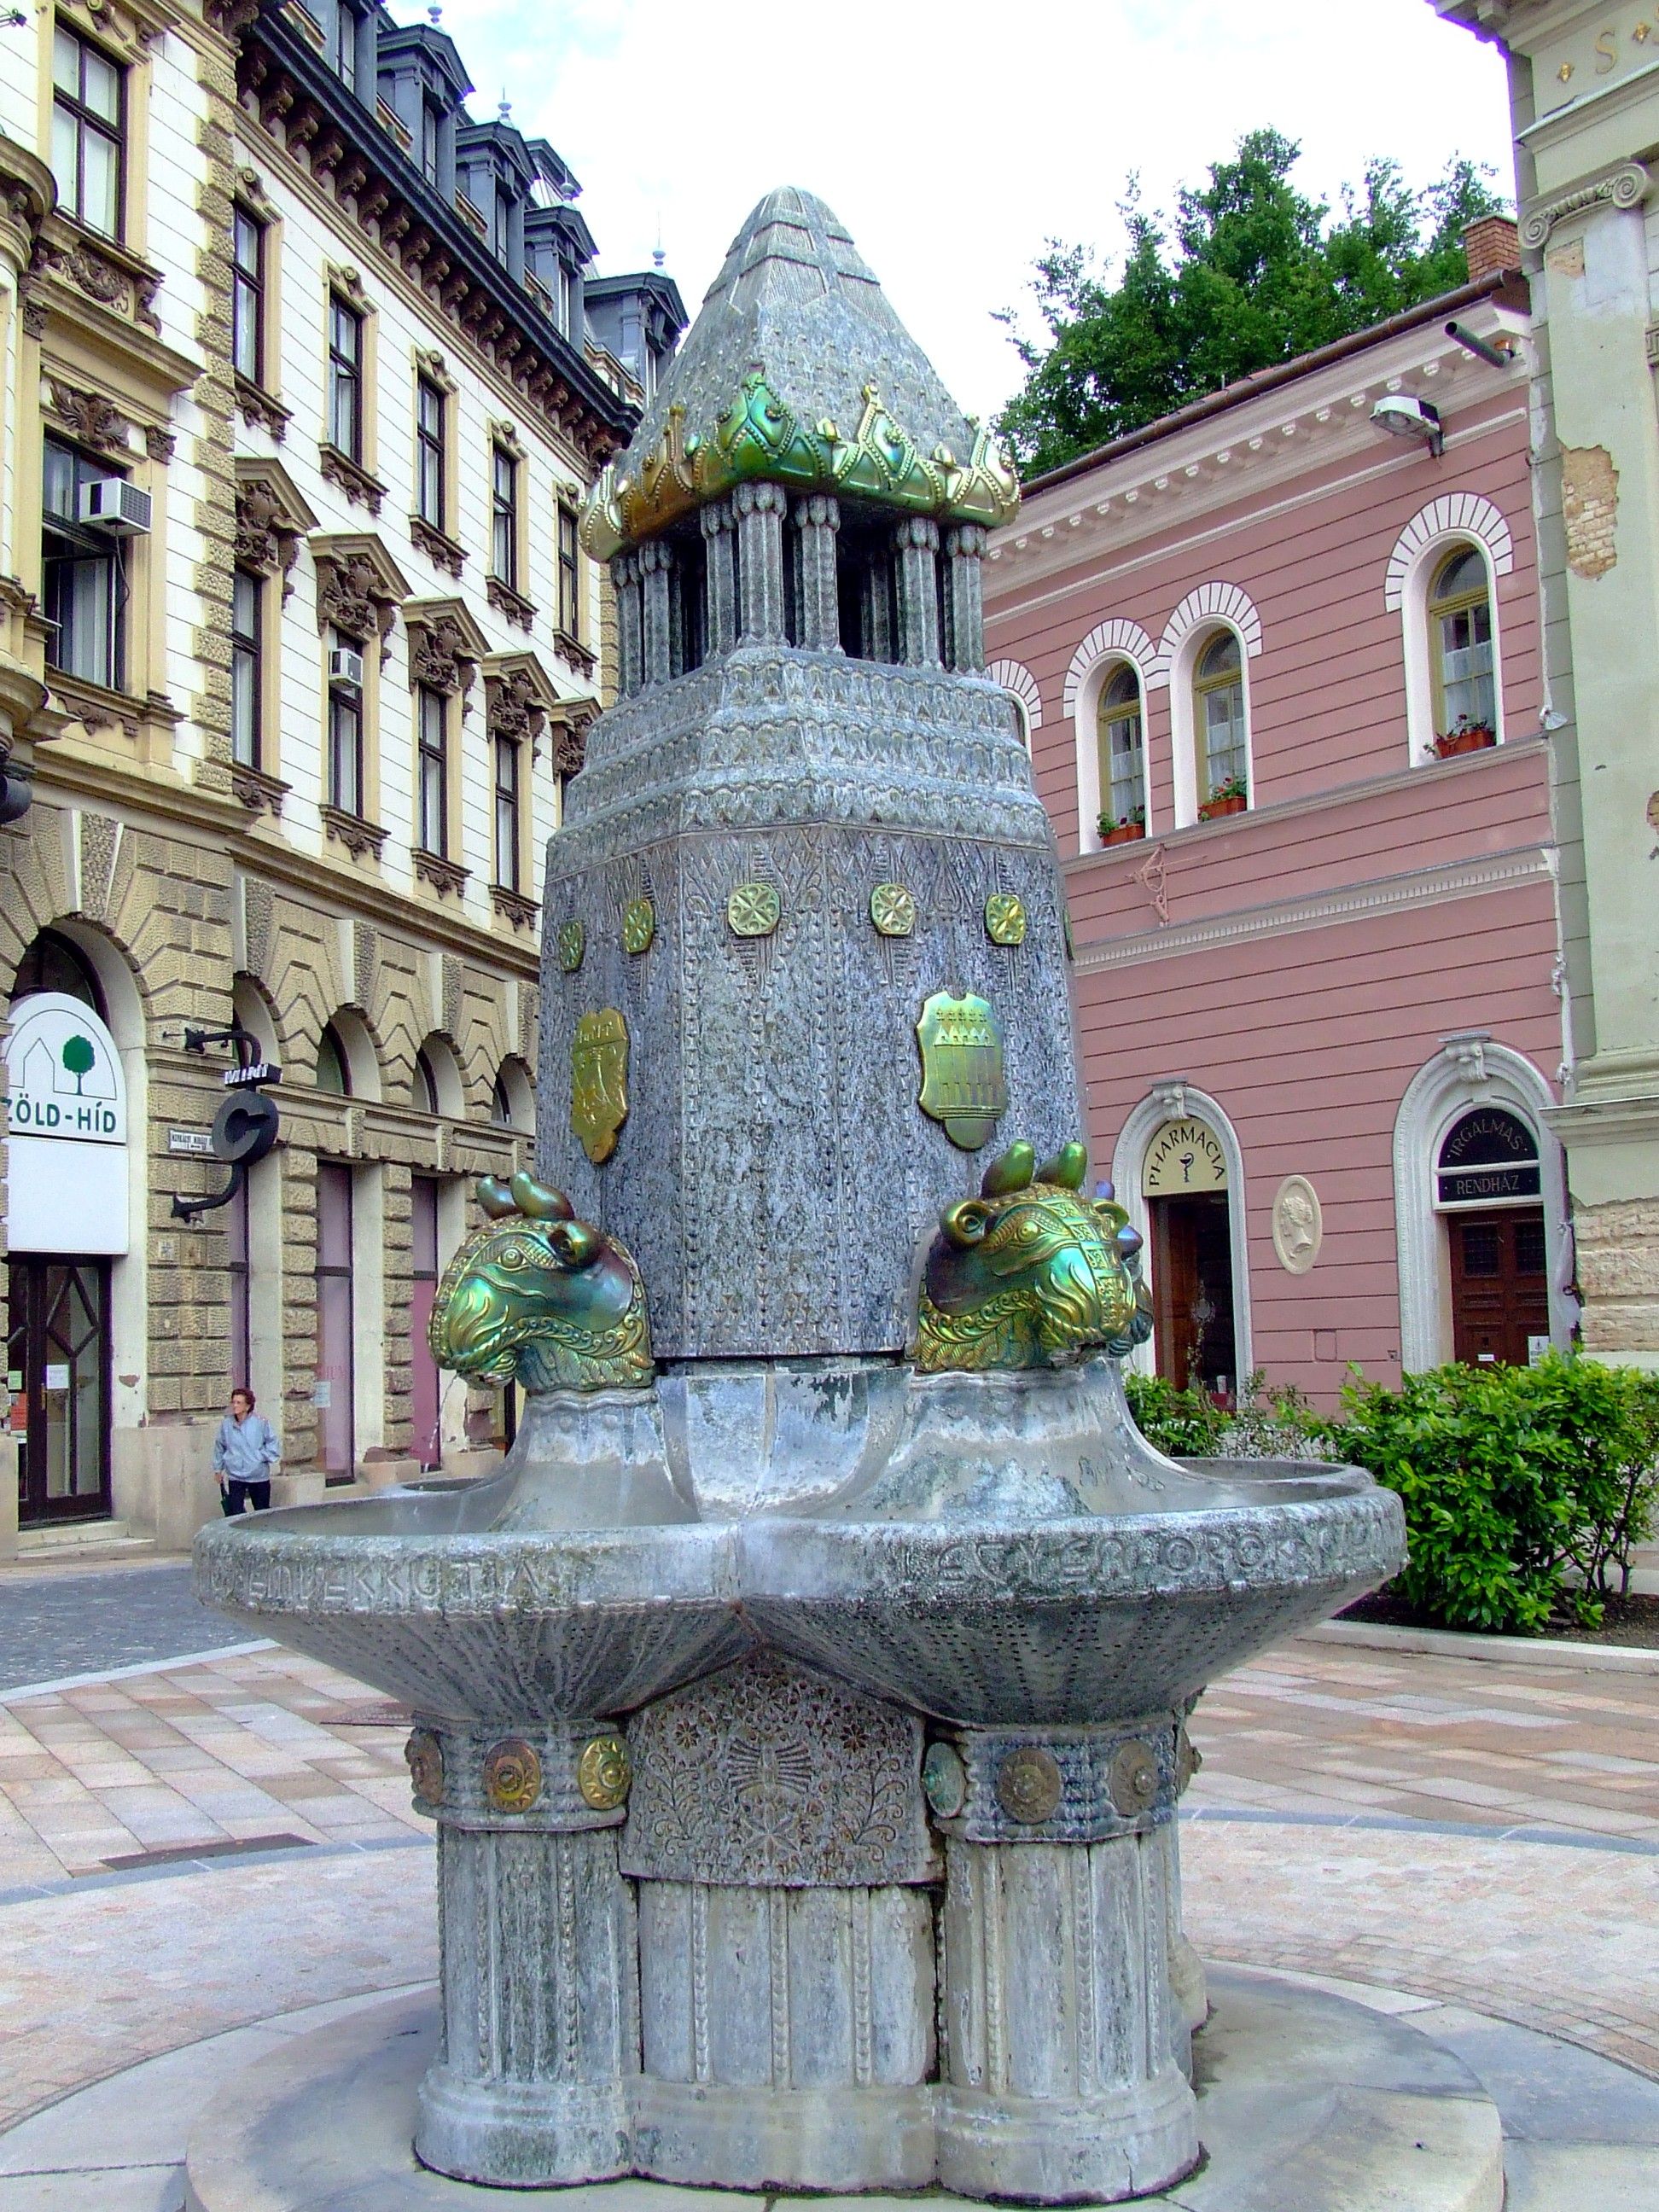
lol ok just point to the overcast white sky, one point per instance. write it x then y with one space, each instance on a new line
953 137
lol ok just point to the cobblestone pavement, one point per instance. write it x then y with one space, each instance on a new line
61 1620
1499 1847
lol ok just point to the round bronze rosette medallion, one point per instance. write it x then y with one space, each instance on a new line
638 926
512 1776
893 910
1028 1785
1004 919
573 943
1132 1778
1188 1758
426 1766
753 910
602 1773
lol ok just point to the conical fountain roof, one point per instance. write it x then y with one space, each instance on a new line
797 370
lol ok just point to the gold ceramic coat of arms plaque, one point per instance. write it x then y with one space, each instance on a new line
598 1081
962 1084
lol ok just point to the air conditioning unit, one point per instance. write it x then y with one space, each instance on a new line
345 669
111 504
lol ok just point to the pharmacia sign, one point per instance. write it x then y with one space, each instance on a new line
66 1117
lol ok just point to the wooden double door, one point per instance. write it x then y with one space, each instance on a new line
1500 1286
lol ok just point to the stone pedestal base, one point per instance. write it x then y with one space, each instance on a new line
1307 2103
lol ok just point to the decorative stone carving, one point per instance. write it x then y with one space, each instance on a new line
90 418
441 653
506 601
538 1298
771 1775
443 550
357 593
352 478
514 907
362 840
447 878
572 722
1298 1224
268 530
255 405
514 708
258 791
1626 186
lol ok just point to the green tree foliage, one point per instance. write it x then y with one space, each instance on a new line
1249 273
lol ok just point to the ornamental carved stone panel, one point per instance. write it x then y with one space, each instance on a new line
768 1774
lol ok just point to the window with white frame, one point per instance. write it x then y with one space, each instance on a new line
1218 728
1119 724
1461 663
508 813
504 517
431 454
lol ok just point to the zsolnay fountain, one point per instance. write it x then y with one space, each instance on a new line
802 1707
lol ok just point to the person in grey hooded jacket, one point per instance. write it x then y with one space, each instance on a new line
244 1452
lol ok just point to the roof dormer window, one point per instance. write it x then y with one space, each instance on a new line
343 45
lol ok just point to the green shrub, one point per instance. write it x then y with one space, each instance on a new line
1525 1488
1185 1424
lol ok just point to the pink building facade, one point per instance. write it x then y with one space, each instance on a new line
1279 672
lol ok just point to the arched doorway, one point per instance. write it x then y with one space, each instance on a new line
65 1069
1184 1181
1488 1186
1480 1184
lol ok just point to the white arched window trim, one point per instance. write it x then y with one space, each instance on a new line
1422 545
1468 1072
1189 789
1106 646
1018 681
1172 1102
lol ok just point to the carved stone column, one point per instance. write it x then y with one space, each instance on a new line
817 519
915 549
964 602
536 1931
1062 2073
719 531
656 562
760 511
630 645
779 1838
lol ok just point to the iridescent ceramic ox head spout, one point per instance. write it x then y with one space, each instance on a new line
536 1296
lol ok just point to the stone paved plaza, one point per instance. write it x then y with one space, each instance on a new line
201 1849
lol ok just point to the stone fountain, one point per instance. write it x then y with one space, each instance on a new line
803 1706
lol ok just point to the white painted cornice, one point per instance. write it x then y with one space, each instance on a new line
1497 871
1309 423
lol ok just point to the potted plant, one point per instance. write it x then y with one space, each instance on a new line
1231 796
1465 736
1117 831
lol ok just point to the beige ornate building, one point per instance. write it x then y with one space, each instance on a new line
300 395
1585 100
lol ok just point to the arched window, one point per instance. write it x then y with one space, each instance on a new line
1118 726
513 1100
1461 645
52 963
333 1068
426 1083
1218 721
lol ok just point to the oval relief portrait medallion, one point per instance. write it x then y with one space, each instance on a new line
1298 1224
